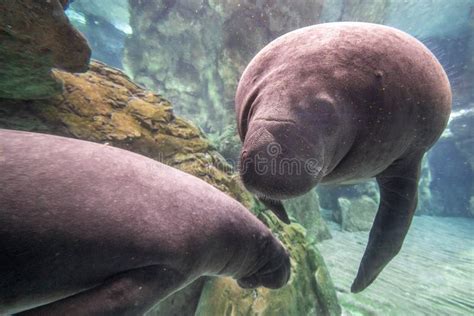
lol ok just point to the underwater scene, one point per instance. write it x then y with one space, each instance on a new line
236 157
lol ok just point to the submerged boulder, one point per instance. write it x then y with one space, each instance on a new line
357 214
305 209
105 106
36 36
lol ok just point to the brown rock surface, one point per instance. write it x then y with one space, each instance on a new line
36 35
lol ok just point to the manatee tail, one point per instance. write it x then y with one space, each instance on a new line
277 208
398 199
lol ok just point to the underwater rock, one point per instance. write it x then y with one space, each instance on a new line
36 36
355 10
412 16
423 20
309 292
104 106
469 76
426 203
357 214
451 164
329 195
305 209
194 51
471 205
451 180
461 129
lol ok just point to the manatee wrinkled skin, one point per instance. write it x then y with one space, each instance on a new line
89 229
339 103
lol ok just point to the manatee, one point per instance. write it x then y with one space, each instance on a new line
340 103
89 229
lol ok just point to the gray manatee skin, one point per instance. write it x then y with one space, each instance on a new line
338 103
89 229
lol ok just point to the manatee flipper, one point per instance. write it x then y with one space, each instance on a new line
129 293
277 208
398 186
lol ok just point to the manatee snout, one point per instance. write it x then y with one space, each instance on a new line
274 273
277 163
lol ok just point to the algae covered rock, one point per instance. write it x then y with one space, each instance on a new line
104 106
305 209
309 292
36 36
357 214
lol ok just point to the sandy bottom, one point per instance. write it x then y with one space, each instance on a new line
432 275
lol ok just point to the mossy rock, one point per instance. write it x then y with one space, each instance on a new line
36 36
306 210
357 214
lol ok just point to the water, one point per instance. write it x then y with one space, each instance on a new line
191 54
431 276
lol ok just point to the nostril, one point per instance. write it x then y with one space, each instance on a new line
245 163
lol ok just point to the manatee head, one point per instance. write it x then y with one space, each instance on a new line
278 161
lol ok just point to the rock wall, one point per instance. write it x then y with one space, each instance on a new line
35 35
356 214
195 51
452 177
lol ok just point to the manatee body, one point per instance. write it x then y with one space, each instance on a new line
338 103
88 229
